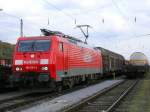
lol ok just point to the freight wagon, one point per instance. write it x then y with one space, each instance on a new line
112 62
137 66
6 51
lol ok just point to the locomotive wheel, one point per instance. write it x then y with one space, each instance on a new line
71 83
59 87
52 85
88 80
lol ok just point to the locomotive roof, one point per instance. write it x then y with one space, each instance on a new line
34 37
47 32
71 39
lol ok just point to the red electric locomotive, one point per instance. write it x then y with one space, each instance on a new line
54 60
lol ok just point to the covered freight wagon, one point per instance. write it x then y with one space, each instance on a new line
112 62
6 51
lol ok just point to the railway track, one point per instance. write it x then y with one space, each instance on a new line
12 103
124 105
106 101
31 99
138 99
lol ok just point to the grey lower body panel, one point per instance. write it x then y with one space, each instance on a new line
79 71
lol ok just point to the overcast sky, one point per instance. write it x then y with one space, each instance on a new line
113 21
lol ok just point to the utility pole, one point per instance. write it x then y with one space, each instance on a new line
86 34
21 28
21 22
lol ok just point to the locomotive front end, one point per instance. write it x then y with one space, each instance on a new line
31 60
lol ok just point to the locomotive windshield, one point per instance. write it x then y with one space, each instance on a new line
33 45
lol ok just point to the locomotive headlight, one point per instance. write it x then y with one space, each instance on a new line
45 68
17 69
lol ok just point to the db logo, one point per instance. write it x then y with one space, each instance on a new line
87 58
32 55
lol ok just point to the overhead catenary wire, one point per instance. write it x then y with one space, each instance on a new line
70 15
123 15
135 21
118 9
138 36
11 15
58 9
21 22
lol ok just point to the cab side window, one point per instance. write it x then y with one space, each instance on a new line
61 47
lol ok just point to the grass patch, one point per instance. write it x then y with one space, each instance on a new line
141 101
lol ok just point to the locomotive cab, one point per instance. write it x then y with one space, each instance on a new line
34 59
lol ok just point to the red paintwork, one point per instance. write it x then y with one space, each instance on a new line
2 62
73 56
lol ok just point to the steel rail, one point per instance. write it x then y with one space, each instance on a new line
100 93
18 103
121 97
